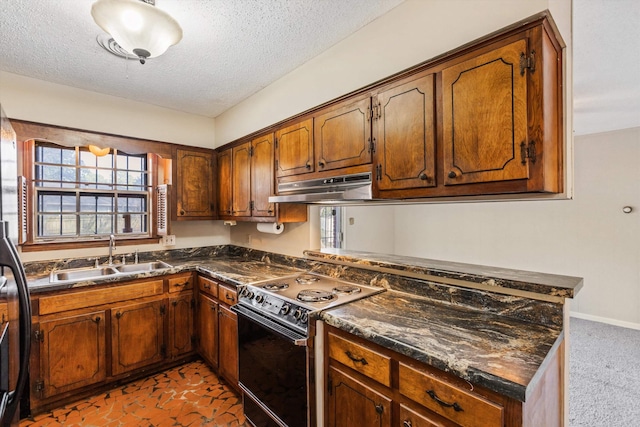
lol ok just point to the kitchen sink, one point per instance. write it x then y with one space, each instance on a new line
142 267
78 274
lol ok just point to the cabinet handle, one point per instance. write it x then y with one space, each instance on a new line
229 298
441 402
379 408
179 285
270 211
355 359
308 165
181 211
118 315
321 163
407 423
97 319
452 174
174 303
207 286
424 177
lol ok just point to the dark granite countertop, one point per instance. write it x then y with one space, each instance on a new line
500 279
500 353
231 270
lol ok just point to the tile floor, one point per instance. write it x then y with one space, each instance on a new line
189 395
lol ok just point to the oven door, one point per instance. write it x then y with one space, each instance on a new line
272 371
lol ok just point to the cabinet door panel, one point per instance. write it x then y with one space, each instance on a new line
241 181
406 136
137 336
294 149
224 182
353 403
228 344
181 324
195 184
208 329
262 177
485 117
73 352
342 136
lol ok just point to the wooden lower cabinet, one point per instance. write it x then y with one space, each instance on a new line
181 324
228 345
355 403
137 336
72 353
208 329
419 395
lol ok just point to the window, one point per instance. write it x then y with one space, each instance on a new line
331 227
80 196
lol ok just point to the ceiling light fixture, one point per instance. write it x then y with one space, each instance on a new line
137 26
97 151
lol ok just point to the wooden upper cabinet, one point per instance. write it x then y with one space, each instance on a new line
342 135
72 353
485 121
262 175
294 149
224 182
404 130
195 195
241 180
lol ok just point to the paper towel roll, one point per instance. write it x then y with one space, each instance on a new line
270 227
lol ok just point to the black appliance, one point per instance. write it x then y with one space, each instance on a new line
15 305
276 368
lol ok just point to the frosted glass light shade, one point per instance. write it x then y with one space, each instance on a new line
139 28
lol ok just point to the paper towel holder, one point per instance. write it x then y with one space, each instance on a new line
270 227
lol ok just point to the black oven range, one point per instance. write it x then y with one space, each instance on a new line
276 371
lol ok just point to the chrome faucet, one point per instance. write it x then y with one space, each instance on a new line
112 246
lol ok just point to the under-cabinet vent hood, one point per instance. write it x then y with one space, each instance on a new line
337 189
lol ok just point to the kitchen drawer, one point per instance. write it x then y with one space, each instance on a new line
452 402
180 283
208 286
364 360
71 301
227 295
411 418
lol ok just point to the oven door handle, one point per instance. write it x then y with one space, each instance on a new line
289 335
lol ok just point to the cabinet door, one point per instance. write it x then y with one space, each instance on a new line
195 191
262 177
181 320
228 345
485 117
137 336
354 403
241 180
208 329
72 352
405 131
224 182
294 149
342 135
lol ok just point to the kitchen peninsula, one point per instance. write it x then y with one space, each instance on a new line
493 338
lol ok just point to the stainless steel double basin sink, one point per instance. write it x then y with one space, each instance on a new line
95 273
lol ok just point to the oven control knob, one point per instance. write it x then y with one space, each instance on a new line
305 317
297 314
246 293
259 299
286 308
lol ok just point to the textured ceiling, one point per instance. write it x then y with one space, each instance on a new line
230 48
233 48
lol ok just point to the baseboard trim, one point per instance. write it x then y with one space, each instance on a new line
607 320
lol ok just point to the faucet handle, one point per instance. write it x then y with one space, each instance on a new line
97 260
135 256
124 258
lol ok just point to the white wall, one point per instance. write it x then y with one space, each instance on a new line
39 101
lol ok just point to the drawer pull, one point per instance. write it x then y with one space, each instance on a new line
407 423
207 286
179 285
229 297
355 359
453 405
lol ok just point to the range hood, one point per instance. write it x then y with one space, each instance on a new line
337 189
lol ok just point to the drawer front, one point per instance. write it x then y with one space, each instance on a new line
208 286
411 418
461 406
227 295
364 360
94 297
180 283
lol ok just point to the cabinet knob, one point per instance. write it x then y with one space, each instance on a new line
452 174
407 423
181 211
424 177
308 165
379 408
321 163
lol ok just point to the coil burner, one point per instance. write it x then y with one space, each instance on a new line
275 286
315 295
346 289
307 279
